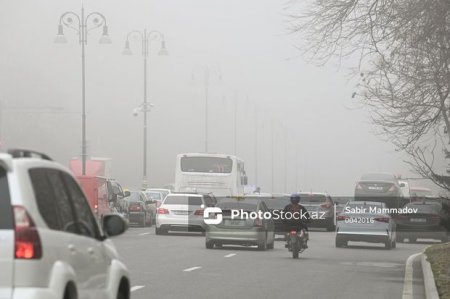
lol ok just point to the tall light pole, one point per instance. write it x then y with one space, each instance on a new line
145 37
235 118
256 147
82 25
207 72
272 157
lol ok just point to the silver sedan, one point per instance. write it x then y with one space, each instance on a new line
362 221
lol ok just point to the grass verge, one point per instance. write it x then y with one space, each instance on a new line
439 258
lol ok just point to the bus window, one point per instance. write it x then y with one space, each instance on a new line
206 164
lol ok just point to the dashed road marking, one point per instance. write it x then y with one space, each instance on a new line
191 269
143 234
135 288
230 255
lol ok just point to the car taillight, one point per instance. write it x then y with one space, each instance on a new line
293 232
392 189
258 223
199 212
163 211
341 217
382 219
326 205
27 240
135 208
435 219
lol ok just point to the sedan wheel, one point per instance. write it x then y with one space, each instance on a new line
388 244
263 245
209 244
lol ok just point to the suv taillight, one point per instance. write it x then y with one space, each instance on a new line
163 211
326 205
382 219
199 212
258 222
341 217
27 240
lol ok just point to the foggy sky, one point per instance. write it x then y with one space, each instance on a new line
248 41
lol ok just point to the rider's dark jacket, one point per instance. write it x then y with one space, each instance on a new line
298 211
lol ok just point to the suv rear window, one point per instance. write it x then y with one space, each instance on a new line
183 200
6 215
312 198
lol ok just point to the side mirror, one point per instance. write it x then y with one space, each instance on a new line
114 225
149 202
402 185
127 193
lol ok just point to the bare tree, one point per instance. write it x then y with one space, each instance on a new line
404 64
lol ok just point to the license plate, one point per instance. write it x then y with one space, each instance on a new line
235 222
418 220
375 188
181 212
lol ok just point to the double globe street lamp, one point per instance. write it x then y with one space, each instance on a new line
146 37
82 25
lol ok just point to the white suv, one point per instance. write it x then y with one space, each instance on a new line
50 243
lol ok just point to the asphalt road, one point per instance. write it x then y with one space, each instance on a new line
179 266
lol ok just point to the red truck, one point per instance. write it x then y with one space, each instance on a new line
96 191
94 184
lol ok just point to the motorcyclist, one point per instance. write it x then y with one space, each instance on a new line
299 221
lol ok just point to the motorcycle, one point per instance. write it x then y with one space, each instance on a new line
297 241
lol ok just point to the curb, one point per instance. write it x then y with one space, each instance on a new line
428 279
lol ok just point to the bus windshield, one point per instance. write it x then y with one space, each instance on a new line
206 164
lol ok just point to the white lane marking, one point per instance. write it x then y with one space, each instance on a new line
191 269
143 234
408 280
230 255
135 288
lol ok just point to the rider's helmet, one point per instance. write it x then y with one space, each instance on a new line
295 198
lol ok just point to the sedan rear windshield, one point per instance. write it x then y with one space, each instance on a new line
135 196
6 216
183 200
277 203
153 195
232 205
378 177
312 198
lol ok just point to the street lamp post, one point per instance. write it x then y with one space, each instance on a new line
80 23
145 37
207 73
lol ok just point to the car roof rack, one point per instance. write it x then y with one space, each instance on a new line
23 153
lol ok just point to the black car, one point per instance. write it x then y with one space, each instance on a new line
380 187
138 211
428 221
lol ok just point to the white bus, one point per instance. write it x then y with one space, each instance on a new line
220 174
